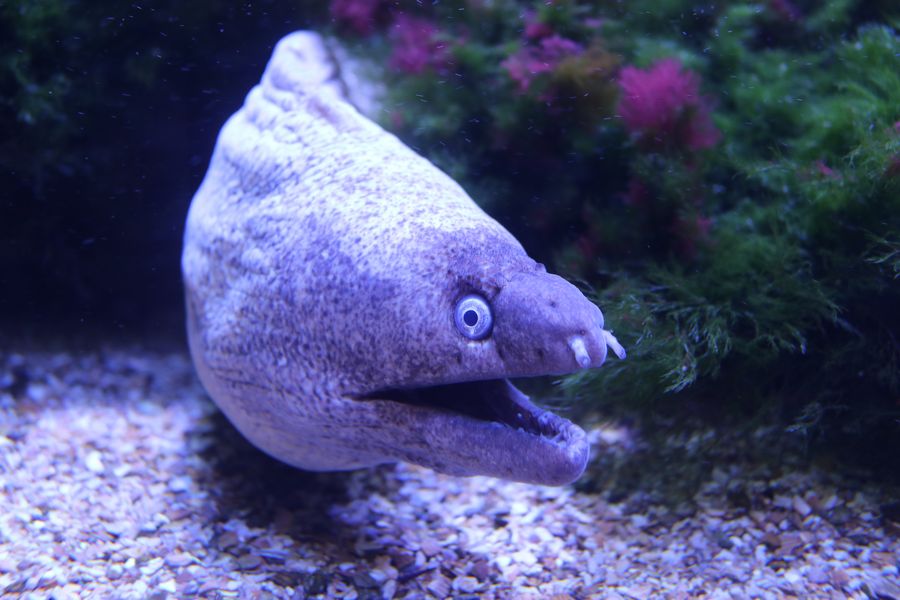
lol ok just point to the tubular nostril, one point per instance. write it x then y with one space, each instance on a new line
611 341
582 357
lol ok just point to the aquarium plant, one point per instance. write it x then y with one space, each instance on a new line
724 178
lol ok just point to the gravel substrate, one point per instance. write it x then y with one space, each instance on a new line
119 478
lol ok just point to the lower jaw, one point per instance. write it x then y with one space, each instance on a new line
488 428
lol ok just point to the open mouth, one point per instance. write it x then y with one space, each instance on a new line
491 401
484 428
498 400
487 427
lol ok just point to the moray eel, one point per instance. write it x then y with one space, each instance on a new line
349 305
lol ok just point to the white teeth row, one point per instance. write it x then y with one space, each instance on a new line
583 358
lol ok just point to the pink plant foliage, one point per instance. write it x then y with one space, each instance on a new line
417 45
663 107
893 168
637 194
535 29
689 228
358 15
785 9
531 61
587 246
825 170
691 232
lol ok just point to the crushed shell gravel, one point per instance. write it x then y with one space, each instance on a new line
119 478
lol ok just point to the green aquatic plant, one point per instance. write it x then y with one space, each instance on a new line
744 243
795 295
886 254
748 302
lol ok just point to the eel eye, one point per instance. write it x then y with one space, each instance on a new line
473 317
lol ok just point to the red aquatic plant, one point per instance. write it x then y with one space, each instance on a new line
826 171
637 194
893 167
786 10
417 45
679 224
691 232
531 61
360 16
663 108
535 29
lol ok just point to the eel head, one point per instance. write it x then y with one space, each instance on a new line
462 415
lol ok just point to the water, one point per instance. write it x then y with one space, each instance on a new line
721 179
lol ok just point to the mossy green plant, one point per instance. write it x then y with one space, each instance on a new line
755 262
796 296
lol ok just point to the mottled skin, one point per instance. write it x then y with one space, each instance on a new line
322 263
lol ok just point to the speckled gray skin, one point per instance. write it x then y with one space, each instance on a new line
322 264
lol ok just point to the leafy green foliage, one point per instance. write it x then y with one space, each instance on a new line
763 270
747 303
796 296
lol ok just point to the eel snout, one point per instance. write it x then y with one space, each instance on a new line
545 326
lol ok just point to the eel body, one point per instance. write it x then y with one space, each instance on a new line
349 305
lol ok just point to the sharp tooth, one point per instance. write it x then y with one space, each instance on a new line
576 343
613 344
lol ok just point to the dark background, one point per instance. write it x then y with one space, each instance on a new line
108 119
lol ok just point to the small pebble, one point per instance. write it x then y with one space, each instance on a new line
817 575
249 562
466 584
481 570
439 586
801 506
124 488
179 560
180 484
94 462
114 572
430 547
227 540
